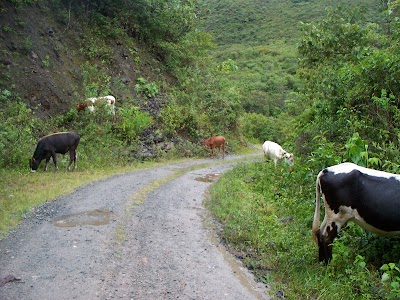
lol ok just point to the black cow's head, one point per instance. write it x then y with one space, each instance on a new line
33 164
325 243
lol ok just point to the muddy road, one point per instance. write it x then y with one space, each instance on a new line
139 235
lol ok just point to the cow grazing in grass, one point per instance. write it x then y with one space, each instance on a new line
49 145
91 103
365 196
109 101
216 142
275 152
81 106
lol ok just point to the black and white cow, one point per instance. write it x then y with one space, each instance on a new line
49 145
368 197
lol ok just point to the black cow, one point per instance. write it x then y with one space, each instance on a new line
365 196
49 145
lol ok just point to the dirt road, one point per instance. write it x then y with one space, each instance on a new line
140 235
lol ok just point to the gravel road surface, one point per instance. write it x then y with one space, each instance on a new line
139 235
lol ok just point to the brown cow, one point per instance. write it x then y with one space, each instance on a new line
81 106
215 142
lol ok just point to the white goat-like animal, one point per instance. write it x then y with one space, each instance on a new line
275 152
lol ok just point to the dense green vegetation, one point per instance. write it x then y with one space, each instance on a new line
350 68
344 108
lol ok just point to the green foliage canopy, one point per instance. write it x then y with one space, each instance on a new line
350 71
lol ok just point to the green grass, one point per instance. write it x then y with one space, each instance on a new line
266 215
21 191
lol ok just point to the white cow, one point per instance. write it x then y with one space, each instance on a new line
109 100
275 152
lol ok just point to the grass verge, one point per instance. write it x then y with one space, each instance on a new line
266 216
22 191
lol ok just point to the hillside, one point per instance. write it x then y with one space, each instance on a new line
262 38
50 51
45 52
261 22
171 80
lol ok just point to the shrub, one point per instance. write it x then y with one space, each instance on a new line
261 128
391 278
131 123
149 89
16 136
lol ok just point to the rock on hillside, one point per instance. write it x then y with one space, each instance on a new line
44 51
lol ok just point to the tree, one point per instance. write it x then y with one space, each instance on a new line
350 70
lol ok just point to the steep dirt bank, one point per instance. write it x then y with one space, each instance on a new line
140 235
43 51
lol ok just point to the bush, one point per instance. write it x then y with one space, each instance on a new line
16 134
131 123
261 128
146 88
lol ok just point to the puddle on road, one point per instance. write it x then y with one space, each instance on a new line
208 178
95 217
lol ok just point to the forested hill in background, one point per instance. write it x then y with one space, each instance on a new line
261 38
262 22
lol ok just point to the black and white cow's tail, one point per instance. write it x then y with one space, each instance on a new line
315 226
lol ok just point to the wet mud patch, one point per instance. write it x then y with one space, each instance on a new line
95 217
208 178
